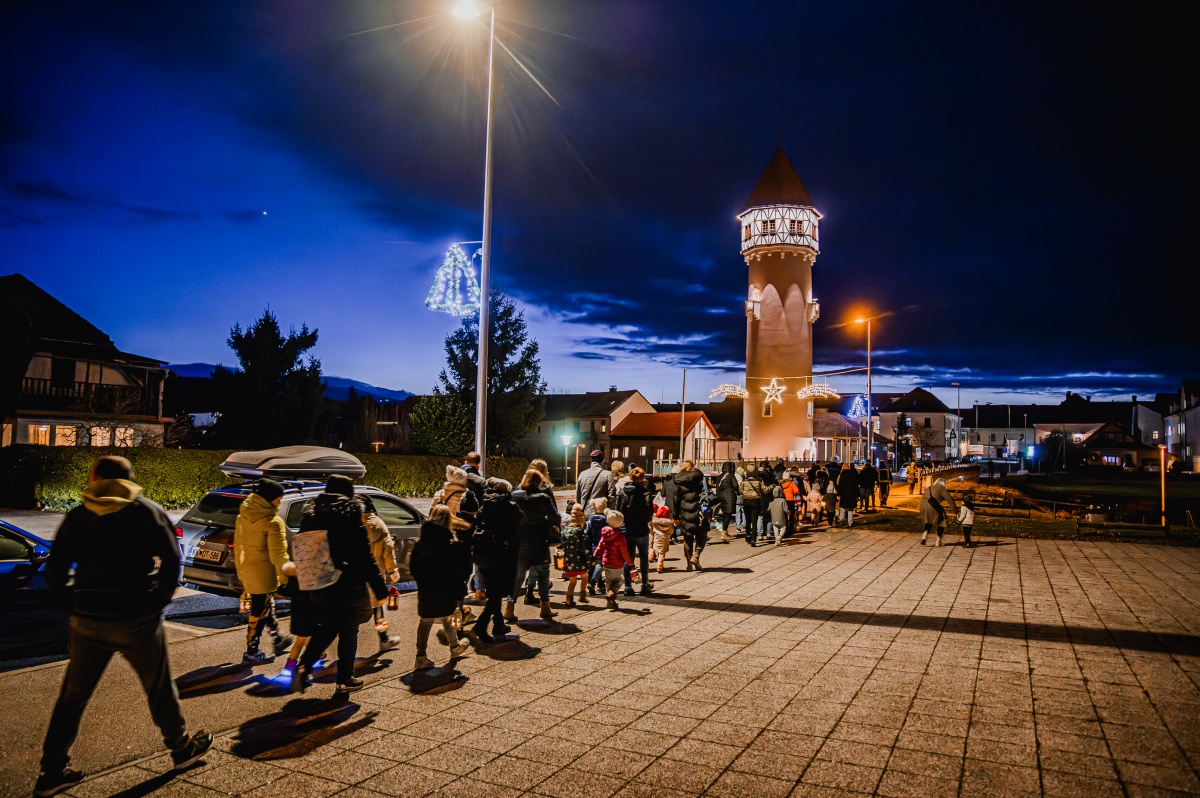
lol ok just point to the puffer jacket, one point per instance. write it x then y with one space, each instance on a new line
778 507
350 552
383 547
440 566
664 529
577 557
539 516
847 486
612 551
688 486
635 504
727 488
260 546
496 542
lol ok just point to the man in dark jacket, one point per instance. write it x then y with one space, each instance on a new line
475 480
636 504
494 550
115 565
689 515
868 478
332 553
847 488
594 482
727 495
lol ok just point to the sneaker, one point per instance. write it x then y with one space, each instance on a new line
500 629
460 648
54 783
591 589
630 591
480 595
256 657
352 686
281 644
484 639
389 643
645 591
301 678
193 750
423 663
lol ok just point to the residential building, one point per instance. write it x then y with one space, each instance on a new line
65 383
930 427
644 438
586 420
1182 426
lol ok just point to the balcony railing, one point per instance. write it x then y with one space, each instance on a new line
88 397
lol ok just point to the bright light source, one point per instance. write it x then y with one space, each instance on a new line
466 9
566 439
859 321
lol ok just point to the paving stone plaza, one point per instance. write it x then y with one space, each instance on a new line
845 663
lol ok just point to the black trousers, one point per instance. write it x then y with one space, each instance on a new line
491 608
346 631
262 617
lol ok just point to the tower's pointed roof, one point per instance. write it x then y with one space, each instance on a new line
779 185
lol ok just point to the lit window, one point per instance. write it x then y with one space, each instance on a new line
662 453
810 409
65 436
1154 435
643 451
124 436
39 434
795 227
768 227
101 436
626 451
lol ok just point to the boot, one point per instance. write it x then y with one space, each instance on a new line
281 643
689 565
612 602
696 563
924 535
510 611
546 614
939 540
530 598
660 565
571 596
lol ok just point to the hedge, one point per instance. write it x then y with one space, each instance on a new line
53 478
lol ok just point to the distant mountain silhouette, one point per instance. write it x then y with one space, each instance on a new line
337 388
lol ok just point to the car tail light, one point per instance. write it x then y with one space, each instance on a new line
179 532
229 543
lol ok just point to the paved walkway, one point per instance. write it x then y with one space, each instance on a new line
848 663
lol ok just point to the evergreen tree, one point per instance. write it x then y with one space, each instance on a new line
442 425
276 398
515 386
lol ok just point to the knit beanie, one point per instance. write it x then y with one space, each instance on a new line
577 518
599 506
614 519
269 489
661 511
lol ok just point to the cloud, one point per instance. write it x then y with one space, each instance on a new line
37 191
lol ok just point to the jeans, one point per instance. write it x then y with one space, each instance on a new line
741 518
262 617
93 642
753 521
346 632
884 490
539 572
639 549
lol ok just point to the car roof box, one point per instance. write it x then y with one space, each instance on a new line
293 462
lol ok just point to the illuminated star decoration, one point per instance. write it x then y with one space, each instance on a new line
859 408
446 294
774 391
727 389
817 389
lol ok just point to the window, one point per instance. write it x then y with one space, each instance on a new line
392 513
101 436
626 451
746 232
604 426
39 434
13 548
662 453
928 423
767 409
768 227
64 436
795 227
810 409
124 436
1154 435
992 438
221 510
1112 459
296 512
643 452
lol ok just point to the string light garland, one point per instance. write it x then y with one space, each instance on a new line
774 392
727 389
446 294
816 391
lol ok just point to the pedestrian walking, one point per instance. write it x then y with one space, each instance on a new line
577 557
383 550
338 575
595 482
595 525
793 493
613 554
114 565
636 505
848 493
440 565
260 551
778 510
727 495
966 519
664 530
933 509
885 484
829 502
754 491
913 474
868 478
494 545
616 481
539 522
688 514
812 504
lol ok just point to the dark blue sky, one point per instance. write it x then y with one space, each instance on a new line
1020 177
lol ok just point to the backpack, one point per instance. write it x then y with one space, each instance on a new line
314 564
751 488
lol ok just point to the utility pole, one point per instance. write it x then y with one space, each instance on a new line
682 413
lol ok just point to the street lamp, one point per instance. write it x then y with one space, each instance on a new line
870 431
566 439
466 10
958 412
1162 479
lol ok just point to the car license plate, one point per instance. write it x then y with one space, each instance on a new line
206 555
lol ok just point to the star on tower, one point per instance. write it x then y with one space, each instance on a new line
774 391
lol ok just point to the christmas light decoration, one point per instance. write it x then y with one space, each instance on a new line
725 390
817 390
446 294
774 392
859 408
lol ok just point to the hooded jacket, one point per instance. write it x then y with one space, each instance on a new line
778 507
340 518
664 529
383 546
612 551
497 538
688 486
260 545
727 487
635 504
847 486
440 566
123 550
753 489
539 515
577 557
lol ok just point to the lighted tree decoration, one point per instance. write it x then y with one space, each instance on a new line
859 408
453 276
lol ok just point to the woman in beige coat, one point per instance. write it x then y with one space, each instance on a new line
260 550
383 549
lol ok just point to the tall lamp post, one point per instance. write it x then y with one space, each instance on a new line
469 9
1162 479
870 430
566 439
958 413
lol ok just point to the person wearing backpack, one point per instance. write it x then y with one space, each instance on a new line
260 551
494 547
727 496
689 513
634 504
335 569
753 491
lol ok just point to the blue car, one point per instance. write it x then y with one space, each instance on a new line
32 628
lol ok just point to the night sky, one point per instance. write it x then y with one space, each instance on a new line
1017 181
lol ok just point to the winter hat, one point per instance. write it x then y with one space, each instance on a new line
614 519
577 518
497 484
342 486
599 505
638 474
661 511
456 475
269 489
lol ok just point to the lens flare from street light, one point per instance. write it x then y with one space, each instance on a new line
466 9
859 321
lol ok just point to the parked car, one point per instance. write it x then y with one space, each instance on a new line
206 531
31 625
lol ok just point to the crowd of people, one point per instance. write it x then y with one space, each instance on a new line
483 538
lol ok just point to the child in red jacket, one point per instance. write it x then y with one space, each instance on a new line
613 555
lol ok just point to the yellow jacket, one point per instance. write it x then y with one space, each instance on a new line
260 546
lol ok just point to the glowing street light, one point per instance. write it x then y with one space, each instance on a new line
466 9
566 439
870 431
